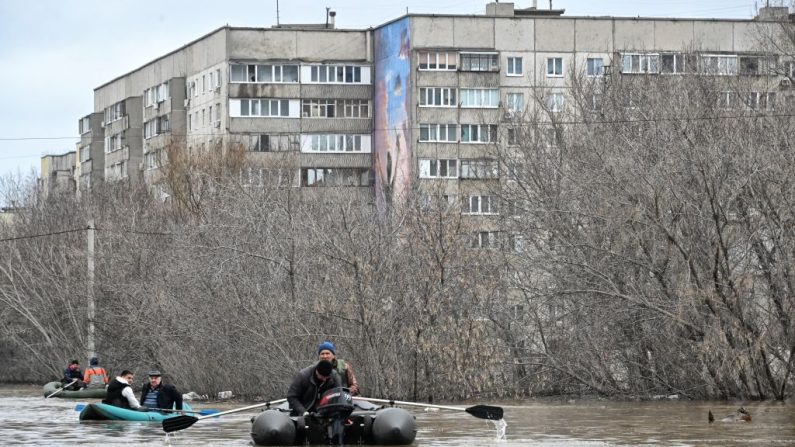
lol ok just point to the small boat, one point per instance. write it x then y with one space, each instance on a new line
338 416
105 412
84 393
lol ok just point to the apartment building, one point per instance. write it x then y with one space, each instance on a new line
415 102
90 151
57 174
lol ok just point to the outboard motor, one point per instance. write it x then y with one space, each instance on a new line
334 408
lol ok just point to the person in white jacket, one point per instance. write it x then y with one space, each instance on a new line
120 392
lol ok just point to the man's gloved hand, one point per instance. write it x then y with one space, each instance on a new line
307 414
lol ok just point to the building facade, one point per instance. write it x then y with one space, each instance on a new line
416 102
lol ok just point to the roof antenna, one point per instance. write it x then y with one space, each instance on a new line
277 12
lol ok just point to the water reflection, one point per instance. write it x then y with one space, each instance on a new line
28 420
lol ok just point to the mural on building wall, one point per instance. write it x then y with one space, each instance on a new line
392 145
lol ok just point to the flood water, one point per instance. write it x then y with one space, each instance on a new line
26 418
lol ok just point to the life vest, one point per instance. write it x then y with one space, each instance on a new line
114 396
96 377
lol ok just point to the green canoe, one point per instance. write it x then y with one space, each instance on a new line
85 393
105 412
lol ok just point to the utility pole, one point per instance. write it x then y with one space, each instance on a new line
277 12
90 258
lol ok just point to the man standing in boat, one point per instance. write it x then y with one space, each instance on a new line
95 376
309 384
157 394
73 376
120 393
326 351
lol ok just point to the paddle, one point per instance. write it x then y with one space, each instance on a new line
204 412
61 389
479 411
185 421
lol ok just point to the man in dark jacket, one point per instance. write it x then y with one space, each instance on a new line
157 394
309 384
72 376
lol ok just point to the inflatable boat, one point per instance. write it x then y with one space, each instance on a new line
84 393
105 412
338 420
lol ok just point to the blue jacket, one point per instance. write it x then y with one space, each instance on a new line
72 374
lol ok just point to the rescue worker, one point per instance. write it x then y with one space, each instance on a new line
156 394
95 376
72 376
120 393
309 384
325 351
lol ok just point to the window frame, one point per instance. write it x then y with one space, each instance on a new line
511 68
552 70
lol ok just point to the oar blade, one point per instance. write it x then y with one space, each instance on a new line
178 423
486 412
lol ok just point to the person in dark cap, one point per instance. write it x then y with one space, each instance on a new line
326 351
95 375
72 376
309 384
157 394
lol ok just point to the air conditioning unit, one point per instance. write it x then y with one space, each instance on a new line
156 107
217 124
508 115
785 83
218 89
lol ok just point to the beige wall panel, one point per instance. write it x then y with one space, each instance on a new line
471 32
251 45
673 35
333 46
480 116
332 91
468 150
336 160
432 32
755 37
593 35
264 91
634 35
437 115
436 150
264 125
714 36
436 78
554 35
477 79
514 34
527 69
336 125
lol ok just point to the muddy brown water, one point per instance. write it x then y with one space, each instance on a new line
26 418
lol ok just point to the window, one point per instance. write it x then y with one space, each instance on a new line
438 168
478 133
480 168
718 64
514 66
555 102
85 153
479 62
151 160
115 112
761 100
262 73
479 205
318 177
485 240
594 66
437 60
480 97
84 125
442 133
437 97
513 138
727 100
336 143
677 63
757 65
273 143
551 136
516 243
515 102
337 74
336 108
636 63
259 107
114 143
554 67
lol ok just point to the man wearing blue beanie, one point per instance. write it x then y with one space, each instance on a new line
326 351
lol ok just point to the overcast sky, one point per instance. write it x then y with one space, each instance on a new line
53 53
